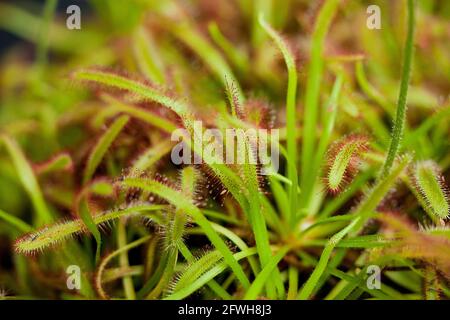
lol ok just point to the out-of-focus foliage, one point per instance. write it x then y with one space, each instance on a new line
86 179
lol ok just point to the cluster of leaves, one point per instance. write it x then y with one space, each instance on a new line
86 177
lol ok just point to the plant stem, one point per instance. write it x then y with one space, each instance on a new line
127 282
314 278
291 113
400 118
312 95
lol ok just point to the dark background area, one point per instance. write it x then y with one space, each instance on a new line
7 39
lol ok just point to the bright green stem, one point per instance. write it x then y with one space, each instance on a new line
293 283
313 92
152 282
329 119
264 275
291 112
102 147
328 125
400 118
378 192
127 282
166 275
311 283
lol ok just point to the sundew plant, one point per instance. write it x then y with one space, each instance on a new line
100 199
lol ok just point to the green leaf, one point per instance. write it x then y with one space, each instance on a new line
14 221
52 235
103 144
312 95
184 203
291 112
94 160
28 180
400 118
430 186
313 279
196 269
208 276
264 275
